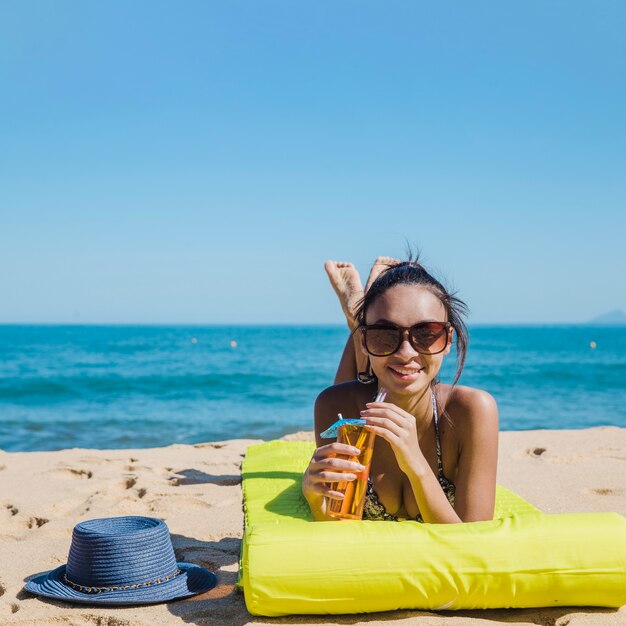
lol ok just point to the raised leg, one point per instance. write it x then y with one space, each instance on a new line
347 285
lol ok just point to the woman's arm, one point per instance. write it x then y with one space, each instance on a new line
347 369
398 428
478 456
431 501
476 474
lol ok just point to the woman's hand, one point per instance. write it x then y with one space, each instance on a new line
398 428
326 467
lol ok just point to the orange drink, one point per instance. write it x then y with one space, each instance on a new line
351 507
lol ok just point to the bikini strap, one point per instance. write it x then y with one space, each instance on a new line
437 439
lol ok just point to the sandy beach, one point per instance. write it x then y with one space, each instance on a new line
196 489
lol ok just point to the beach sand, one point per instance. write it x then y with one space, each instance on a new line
197 490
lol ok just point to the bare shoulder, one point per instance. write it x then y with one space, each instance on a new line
468 399
471 409
346 398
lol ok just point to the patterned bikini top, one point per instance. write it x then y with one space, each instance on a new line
375 510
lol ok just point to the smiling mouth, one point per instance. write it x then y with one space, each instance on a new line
405 372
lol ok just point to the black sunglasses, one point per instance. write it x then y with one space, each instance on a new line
425 337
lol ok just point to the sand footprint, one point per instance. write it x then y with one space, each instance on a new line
13 510
71 472
535 452
129 482
608 491
81 473
36 522
90 501
143 468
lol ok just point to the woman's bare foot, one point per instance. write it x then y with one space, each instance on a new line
347 285
380 265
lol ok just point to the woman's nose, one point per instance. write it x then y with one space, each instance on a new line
406 349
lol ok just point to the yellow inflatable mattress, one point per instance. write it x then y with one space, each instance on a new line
522 558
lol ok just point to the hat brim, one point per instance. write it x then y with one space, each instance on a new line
193 580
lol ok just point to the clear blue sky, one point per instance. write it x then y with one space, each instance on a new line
198 161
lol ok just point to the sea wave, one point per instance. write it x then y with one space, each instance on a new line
133 386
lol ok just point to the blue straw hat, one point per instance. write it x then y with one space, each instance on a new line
122 560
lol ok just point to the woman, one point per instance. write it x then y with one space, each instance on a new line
436 448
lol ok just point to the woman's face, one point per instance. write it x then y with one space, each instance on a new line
406 371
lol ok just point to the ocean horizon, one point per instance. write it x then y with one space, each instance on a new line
146 385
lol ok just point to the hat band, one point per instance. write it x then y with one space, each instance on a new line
149 583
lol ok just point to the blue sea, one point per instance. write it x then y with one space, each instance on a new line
143 386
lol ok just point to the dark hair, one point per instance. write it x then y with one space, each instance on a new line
412 272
